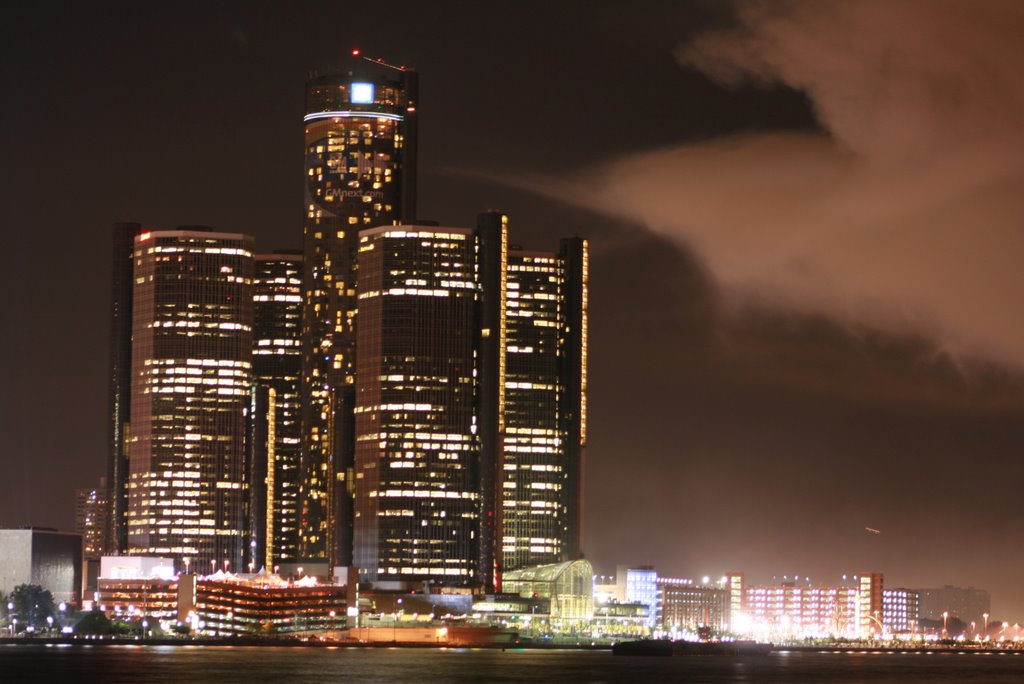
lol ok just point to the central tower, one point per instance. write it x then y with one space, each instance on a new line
360 169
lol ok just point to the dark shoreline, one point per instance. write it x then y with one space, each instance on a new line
257 642
291 643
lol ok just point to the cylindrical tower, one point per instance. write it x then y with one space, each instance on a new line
360 169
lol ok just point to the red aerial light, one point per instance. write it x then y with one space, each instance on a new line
355 53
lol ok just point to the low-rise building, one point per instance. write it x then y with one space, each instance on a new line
569 587
42 556
684 605
221 604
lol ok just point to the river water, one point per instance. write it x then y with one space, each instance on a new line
252 665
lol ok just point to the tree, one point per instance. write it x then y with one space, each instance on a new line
32 605
95 622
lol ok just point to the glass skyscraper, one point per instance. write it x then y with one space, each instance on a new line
190 383
120 388
360 171
417 456
544 405
277 371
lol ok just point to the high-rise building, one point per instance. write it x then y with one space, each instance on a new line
277 370
492 270
417 484
544 405
191 378
120 388
91 513
360 171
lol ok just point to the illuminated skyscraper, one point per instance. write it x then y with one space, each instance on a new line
417 482
277 369
120 388
191 378
360 169
545 395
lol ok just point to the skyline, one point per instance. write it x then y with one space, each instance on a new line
702 396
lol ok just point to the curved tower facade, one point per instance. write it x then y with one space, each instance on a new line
360 170
191 376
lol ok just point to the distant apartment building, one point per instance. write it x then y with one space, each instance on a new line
966 603
92 511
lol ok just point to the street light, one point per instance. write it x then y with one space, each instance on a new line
984 627
945 617
394 623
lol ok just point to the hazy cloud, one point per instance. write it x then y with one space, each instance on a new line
906 214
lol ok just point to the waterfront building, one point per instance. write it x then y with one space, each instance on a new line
42 556
275 432
612 618
191 379
221 603
607 589
91 512
639 584
119 395
869 605
789 611
901 611
685 605
543 418
735 582
569 586
965 603
793 610
417 454
360 172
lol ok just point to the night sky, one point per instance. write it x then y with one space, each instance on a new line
806 233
